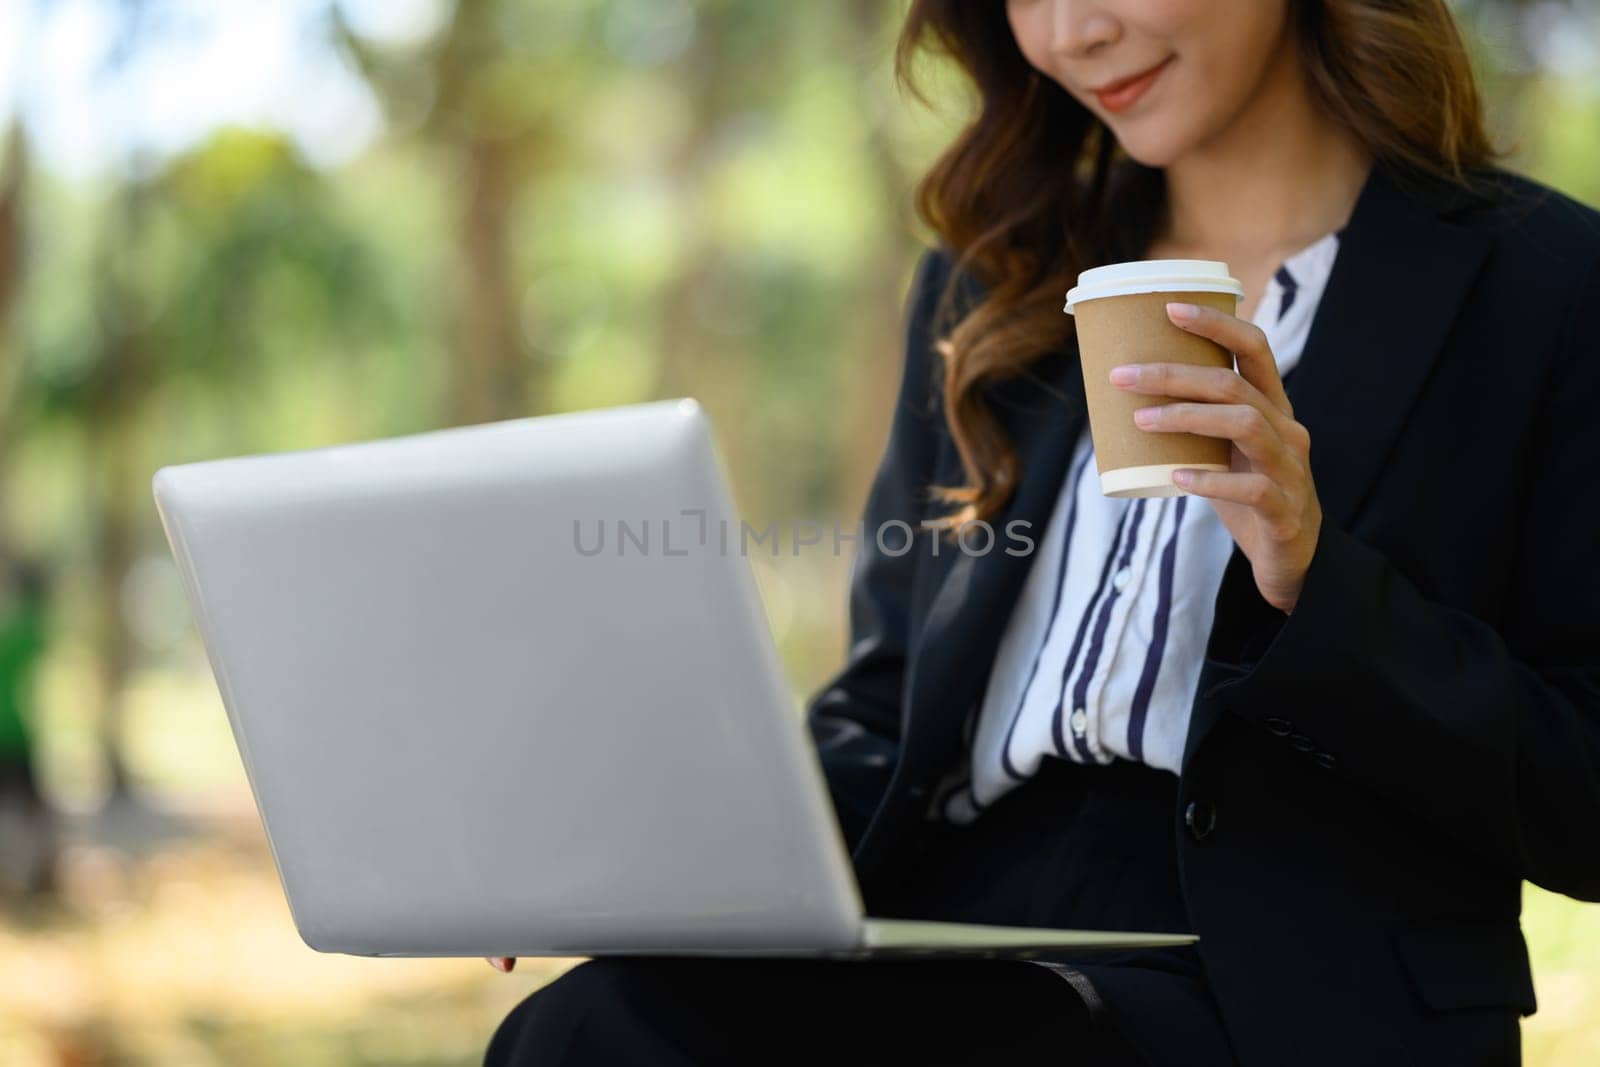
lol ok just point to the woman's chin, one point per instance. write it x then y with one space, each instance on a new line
1150 142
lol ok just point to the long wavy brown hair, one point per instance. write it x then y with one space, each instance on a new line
1394 72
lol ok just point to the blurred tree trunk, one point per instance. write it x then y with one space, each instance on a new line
114 392
491 373
483 136
491 376
119 476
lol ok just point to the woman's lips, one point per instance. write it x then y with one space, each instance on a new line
1120 96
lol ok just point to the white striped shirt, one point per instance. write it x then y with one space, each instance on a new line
1103 649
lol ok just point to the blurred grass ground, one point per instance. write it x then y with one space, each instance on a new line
186 955
181 952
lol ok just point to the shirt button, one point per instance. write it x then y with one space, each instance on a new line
1120 579
1080 721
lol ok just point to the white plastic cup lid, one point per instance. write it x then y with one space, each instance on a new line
1153 276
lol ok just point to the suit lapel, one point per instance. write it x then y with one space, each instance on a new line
1397 285
1044 413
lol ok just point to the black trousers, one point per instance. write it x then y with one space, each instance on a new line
1087 847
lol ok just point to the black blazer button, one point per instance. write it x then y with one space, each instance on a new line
1324 760
1302 743
1200 816
1281 727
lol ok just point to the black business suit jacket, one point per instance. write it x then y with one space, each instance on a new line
1367 782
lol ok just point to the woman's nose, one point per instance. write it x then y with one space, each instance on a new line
1080 27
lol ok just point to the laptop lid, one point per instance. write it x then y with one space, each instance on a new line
495 696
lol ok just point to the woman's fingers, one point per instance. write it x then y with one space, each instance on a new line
502 963
1250 489
1216 385
1242 424
1245 340
1213 386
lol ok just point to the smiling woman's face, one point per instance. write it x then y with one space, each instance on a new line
1204 61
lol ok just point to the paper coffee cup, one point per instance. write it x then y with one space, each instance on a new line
1122 318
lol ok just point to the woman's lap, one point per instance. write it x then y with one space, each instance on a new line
1086 847
683 1011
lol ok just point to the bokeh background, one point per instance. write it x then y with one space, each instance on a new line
232 226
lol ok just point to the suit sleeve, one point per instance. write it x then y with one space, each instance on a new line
1492 736
855 717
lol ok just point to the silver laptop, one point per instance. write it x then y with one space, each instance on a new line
509 690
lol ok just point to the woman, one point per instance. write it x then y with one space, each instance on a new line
1328 709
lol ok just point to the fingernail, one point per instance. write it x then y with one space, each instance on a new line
1145 416
1124 375
1182 312
1183 477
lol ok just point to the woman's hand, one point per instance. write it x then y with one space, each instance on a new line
502 963
1267 501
